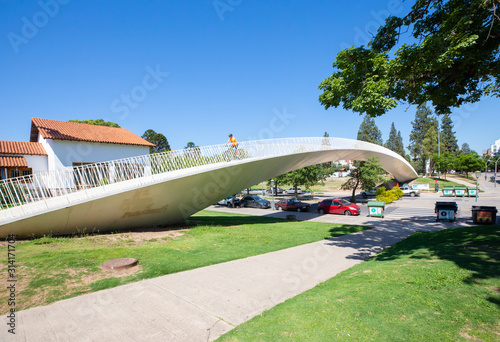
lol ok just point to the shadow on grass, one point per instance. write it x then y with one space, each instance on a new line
476 249
230 220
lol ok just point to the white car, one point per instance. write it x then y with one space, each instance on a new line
228 202
408 191
291 191
368 193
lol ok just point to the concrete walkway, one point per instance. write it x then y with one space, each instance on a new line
202 304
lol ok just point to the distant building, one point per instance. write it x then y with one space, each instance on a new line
57 144
486 152
495 148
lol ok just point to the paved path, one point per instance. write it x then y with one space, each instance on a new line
202 304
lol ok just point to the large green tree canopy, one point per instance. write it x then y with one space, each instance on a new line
451 58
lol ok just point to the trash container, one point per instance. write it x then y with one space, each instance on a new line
376 208
460 191
446 211
484 215
448 191
471 191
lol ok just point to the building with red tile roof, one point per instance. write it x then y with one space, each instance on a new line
72 131
57 144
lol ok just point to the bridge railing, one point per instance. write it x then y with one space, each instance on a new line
28 194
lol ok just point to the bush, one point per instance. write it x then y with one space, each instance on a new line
388 196
399 193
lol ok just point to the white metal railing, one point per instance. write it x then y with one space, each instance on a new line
41 191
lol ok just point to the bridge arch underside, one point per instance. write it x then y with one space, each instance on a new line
175 199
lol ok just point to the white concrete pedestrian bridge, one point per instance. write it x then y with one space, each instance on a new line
165 188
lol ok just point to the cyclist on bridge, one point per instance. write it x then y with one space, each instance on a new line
234 143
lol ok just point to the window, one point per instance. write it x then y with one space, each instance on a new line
17 172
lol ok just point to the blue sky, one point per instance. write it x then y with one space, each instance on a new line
196 70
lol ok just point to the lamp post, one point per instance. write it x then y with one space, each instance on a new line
478 173
496 161
486 167
272 193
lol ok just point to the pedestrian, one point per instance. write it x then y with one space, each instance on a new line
436 186
233 143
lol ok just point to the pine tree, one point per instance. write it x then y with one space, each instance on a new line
391 142
395 141
465 149
368 131
400 148
423 135
430 142
448 141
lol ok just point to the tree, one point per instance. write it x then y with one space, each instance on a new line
465 149
366 175
97 122
192 151
368 131
400 148
158 139
469 163
444 162
450 58
430 142
307 176
423 137
395 141
448 140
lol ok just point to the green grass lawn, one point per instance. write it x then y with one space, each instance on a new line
50 268
433 286
441 182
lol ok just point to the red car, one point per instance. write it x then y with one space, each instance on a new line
291 204
338 206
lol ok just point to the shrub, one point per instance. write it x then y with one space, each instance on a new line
380 191
399 193
387 196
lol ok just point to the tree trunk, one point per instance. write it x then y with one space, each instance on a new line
353 196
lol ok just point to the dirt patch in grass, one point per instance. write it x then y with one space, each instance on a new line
138 238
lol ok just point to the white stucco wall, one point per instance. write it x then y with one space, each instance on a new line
64 153
37 163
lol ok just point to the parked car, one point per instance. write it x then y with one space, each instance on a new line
255 202
408 191
228 201
338 206
292 204
368 193
291 191
272 190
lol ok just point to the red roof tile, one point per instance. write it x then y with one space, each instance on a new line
21 147
62 130
13 162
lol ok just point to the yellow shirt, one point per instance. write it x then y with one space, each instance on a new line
233 140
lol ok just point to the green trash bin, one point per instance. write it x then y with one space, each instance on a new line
471 191
448 191
460 191
376 208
